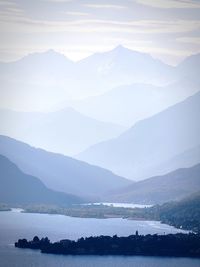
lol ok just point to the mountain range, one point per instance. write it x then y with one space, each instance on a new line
60 172
126 113
127 104
65 131
50 78
20 188
41 81
141 150
160 189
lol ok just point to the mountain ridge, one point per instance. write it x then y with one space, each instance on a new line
57 131
137 152
172 186
60 172
20 188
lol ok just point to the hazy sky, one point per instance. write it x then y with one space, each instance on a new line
168 29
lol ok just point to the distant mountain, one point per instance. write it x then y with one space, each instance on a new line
36 81
127 104
41 81
122 66
138 153
38 67
189 68
59 172
186 159
20 188
65 131
159 189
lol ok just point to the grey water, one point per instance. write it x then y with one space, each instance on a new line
15 225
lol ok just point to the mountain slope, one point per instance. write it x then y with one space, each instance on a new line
123 66
139 152
36 81
127 104
60 172
20 188
182 214
186 159
172 186
65 131
189 68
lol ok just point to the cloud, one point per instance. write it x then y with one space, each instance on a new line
105 6
95 23
15 20
75 13
7 3
170 3
189 40
58 1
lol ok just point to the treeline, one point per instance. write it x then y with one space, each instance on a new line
176 245
88 211
4 207
184 214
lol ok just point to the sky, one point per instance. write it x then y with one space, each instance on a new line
167 29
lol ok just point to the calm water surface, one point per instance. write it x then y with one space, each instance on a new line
14 225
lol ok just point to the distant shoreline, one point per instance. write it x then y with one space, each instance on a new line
157 213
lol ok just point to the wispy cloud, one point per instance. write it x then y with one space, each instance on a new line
24 24
105 6
7 3
189 40
58 1
144 25
170 3
75 13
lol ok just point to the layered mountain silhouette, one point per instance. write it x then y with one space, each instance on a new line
139 152
65 131
60 172
189 68
39 81
186 159
35 80
20 188
127 104
159 189
122 66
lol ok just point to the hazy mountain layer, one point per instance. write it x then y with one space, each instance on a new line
127 104
40 81
160 189
140 151
186 159
65 131
60 172
20 188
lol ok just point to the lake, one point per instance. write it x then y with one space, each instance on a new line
15 225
